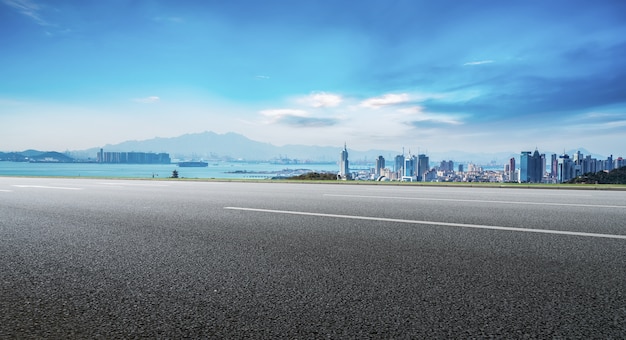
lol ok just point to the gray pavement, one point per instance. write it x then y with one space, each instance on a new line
98 258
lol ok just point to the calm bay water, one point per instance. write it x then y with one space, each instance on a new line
230 170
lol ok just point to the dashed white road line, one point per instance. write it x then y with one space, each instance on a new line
478 201
447 224
125 184
45 187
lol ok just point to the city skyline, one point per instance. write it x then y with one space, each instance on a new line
209 145
444 76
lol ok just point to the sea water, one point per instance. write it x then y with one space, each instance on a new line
227 170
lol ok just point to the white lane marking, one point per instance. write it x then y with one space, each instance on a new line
45 187
478 201
447 224
133 184
3 190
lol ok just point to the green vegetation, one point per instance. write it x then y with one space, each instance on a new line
615 176
316 176
174 174
36 156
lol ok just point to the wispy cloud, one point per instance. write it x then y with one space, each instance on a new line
480 62
262 77
147 100
28 8
385 100
308 121
296 118
277 113
321 99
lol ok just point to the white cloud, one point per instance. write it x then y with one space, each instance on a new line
480 62
297 118
147 100
321 99
29 9
262 77
385 100
276 115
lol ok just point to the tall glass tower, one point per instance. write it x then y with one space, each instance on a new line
380 165
422 166
344 166
530 167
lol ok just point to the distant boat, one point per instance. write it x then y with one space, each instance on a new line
193 164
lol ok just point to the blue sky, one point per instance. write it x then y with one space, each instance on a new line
488 76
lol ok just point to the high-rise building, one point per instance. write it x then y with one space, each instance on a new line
344 165
410 166
380 165
530 167
541 167
446 166
565 169
525 167
422 167
133 157
398 166
554 166
578 158
511 169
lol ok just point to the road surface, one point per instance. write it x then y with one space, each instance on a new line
85 258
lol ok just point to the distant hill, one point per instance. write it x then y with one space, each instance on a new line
231 146
35 156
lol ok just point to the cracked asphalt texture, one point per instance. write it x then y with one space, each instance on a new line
97 258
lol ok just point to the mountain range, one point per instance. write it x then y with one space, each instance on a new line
230 146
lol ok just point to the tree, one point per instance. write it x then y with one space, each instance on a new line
315 176
615 176
174 174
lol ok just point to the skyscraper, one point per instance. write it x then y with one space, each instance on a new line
565 168
524 167
422 166
530 167
344 166
539 163
511 173
380 165
410 165
398 167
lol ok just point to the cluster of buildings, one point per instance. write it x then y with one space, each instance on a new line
133 157
533 168
406 168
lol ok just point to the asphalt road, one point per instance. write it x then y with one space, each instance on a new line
96 258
